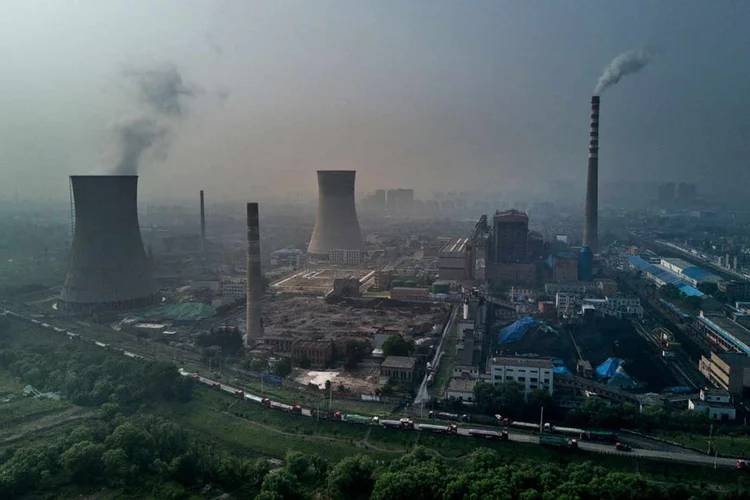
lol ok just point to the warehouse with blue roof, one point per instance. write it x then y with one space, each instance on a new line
661 276
688 272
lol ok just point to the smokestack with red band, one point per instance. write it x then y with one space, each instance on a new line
203 223
254 278
591 215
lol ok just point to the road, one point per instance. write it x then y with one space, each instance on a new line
422 395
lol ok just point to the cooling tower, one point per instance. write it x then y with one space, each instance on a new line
336 225
108 266
254 277
591 214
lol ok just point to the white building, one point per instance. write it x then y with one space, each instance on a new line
234 287
531 373
287 257
619 307
461 389
565 301
345 257
714 403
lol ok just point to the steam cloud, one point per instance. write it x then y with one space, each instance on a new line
626 63
162 92
136 135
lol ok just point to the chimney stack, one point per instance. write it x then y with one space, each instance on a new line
254 277
203 223
591 214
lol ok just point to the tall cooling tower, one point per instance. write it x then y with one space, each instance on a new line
108 266
336 225
591 214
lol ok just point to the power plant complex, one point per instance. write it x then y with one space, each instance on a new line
108 267
336 223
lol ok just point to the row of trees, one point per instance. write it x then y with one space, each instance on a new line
149 456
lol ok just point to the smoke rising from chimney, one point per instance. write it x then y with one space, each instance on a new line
624 64
161 90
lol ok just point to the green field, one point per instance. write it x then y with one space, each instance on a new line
735 445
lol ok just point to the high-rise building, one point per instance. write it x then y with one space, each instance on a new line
400 200
510 237
666 193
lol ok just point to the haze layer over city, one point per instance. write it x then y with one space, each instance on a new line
389 250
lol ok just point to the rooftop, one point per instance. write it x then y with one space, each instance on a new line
455 245
523 362
311 344
399 362
462 385
735 333
735 359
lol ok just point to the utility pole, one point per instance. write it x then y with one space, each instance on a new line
710 435
541 421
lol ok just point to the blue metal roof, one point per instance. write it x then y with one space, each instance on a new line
689 290
696 273
665 276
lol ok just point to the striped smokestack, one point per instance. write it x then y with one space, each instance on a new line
254 278
591 215
203 223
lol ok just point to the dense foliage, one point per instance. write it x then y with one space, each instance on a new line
150 456
89 377
396 345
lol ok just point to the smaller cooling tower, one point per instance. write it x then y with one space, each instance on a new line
336 225
108 266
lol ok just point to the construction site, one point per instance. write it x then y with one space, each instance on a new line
318 281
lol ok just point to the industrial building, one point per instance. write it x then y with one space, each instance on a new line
510 237
345 257
336 223
688 272
618 307
715 403
313 353
108 267
407 294
564 267
727 370
723 333
234 287
661 276
287 257
398 369
461 389
531 373
457 260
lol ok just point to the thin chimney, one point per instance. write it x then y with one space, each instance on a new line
203 223
254 277
591 214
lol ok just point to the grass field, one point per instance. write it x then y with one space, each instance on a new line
445 372
737 445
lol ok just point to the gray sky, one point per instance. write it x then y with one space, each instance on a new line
433 95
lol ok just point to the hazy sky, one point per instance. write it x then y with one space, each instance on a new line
490 95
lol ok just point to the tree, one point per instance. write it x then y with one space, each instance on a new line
283 367
396 345
351 478
282 484
669 291
83 461
356 351
118 471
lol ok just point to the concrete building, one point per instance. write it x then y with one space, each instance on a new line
234 287
531 373
318 353
287 257
461 389
398 369
457 260
573 287
688 272
729 371
735 290
723 333
336 223
714 403
565 302
618 307
510 237
564 267
410 294
108 267
383 280
660 276
344 257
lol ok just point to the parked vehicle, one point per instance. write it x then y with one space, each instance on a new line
358 419
441 415
404 423
557 441
602 436
487 434
442 429
622 446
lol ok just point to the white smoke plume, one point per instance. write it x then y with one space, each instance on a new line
626 63
161 91
136 136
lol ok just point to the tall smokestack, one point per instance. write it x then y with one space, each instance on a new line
108 267
591 215
203 223
254 278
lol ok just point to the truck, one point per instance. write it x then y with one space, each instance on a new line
240 394
482 419
275 405
442 429
487 434
441 415
557 441
326 414
601 436
357 419
404 423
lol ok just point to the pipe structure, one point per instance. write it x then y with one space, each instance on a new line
591 214
108 267
254 277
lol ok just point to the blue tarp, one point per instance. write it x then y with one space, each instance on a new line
681 389
621 380
608 368
561 369
516 331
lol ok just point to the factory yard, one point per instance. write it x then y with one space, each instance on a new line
316 281
362 382
311 317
